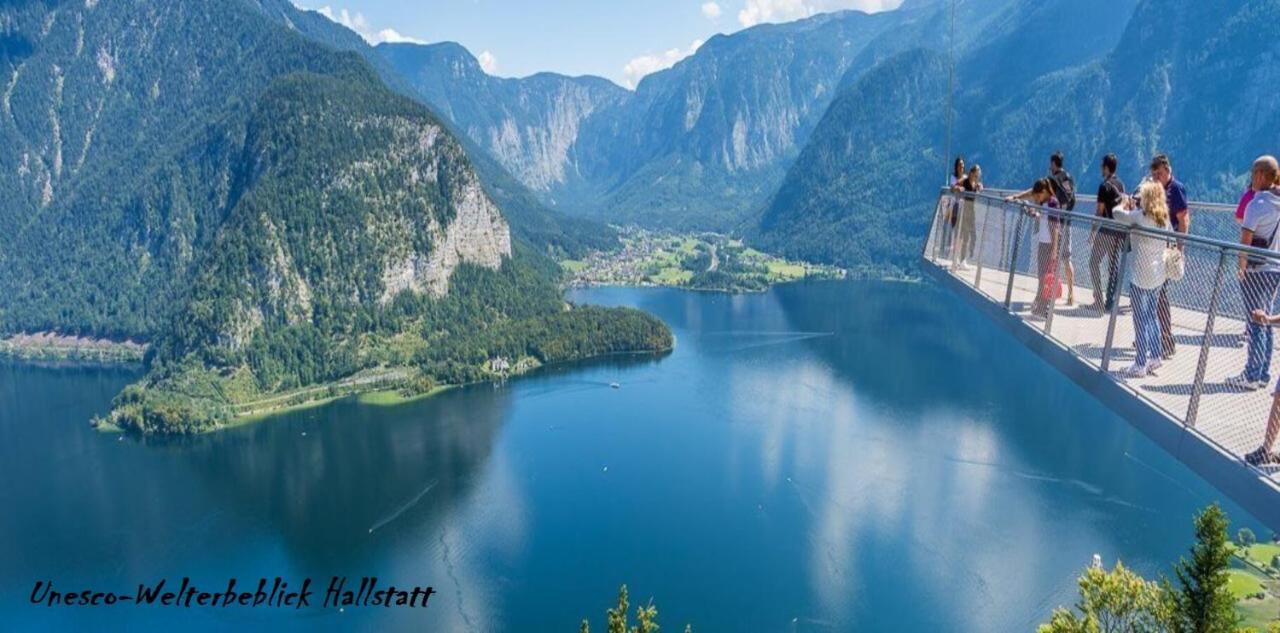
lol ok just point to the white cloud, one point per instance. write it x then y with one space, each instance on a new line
757 11
358 23
488 62
638 68
711 10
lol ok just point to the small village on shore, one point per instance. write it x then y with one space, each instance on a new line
694 261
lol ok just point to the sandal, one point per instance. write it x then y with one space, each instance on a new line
1261 457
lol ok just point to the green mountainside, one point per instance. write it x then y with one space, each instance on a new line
1181 77
277 222
852 195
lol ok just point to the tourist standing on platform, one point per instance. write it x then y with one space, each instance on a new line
1106 242
956 185
1064 190
1265 455
1064 193
1245 199
1146 274
1259 277
1050 231
1180 218
966 230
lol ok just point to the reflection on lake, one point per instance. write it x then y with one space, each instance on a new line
835 456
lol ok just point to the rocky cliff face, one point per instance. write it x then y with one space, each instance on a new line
529 125
696 145
477 235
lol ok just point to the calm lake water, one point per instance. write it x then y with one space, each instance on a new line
833 456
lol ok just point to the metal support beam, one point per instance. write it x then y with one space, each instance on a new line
1197 386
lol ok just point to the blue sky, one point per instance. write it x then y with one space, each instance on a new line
619 39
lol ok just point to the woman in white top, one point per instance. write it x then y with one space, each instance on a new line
1146 274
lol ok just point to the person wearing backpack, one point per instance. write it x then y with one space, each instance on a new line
1064 190
1064 195
1106 242
1259 276
1048 236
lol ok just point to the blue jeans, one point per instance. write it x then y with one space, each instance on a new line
1146 323
1259 290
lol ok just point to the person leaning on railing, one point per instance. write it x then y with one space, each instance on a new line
1106 242
1146 274
1259 277
1048 235
1064 193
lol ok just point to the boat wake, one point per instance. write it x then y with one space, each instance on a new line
774 338
404 508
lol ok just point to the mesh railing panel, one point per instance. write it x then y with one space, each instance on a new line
1197 326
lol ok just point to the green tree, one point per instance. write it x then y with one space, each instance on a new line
1204 603
1245 537
1116 601
616 620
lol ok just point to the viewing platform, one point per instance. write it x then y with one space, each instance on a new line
1187 406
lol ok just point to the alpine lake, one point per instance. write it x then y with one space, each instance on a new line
823 456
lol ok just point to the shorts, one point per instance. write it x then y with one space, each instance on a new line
1064 241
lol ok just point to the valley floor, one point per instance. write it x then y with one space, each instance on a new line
695 261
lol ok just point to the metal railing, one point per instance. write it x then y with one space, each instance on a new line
995 247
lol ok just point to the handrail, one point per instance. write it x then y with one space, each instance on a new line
1199 360
1213 207
1240 249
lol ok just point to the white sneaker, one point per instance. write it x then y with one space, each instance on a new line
1153 365
962 267
1242 382
1135 371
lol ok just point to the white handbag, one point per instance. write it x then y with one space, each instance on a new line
1175 264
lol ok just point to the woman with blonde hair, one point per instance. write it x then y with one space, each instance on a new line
1146 273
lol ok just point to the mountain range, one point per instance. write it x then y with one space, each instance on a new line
699 145
234 182
275 205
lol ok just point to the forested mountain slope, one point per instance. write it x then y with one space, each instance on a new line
852 195
208 176
363 241
1185 78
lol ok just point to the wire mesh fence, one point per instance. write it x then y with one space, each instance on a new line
1186 344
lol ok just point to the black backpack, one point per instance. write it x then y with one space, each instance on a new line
1064 189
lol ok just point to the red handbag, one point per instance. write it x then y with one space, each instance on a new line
1050 287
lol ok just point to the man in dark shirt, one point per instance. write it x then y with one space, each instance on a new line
1180 217
1106 242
